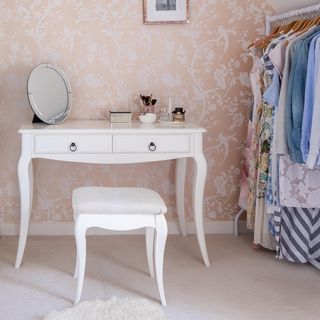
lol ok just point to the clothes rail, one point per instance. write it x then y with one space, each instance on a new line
287 17
272 21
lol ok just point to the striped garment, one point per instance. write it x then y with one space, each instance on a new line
276 222
265 59
299 239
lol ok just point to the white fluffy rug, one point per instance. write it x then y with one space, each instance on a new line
113 309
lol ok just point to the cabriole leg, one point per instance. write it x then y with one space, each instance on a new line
25 176
200 173
160 242
181 166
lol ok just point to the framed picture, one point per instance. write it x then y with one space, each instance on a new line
165 11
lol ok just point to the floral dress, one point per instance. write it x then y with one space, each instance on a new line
256 76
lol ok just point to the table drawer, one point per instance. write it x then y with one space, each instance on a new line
177 143
72 144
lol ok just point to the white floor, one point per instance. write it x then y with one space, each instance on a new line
242 283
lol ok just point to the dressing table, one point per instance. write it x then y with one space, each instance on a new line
109 143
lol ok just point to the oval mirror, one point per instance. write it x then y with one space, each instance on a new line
49 93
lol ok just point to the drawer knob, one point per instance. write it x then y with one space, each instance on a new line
73 147
152 146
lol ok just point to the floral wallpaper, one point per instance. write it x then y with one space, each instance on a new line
110 57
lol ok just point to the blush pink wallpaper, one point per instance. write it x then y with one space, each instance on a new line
110 57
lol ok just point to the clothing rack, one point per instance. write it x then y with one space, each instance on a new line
271 22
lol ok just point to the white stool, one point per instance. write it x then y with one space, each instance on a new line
121 209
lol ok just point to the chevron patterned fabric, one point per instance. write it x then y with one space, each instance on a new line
300 235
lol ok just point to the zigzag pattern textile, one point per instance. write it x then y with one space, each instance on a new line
300 235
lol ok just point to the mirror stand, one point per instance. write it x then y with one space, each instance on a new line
49 94
36 119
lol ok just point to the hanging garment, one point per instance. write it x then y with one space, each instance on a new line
297 183
261 235
271 97
277 57
263 230
244 187
312 70
314 134
281 146
267 118
276 222
253 129
300 235
295 95
299 186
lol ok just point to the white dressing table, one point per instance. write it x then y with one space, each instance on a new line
106 143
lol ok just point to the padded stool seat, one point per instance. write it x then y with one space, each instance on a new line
95 200
121 209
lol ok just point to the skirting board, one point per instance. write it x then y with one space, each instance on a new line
67 229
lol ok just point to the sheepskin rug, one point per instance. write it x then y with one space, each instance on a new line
113 309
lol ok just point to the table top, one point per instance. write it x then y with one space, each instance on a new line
105 126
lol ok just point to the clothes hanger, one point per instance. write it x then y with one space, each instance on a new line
297 26
317 22
276 29
259 42
314 22
310 23
282 30
287 27
266 41
262 43
304 25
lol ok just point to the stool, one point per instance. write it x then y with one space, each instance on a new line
121 209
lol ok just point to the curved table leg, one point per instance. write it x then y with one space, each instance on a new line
200 172
25 175
181 166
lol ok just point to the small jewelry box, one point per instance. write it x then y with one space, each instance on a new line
120 116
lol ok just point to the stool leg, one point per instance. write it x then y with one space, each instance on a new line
76 269
149 246
160 242
80 234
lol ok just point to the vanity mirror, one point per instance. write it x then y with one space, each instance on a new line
49 94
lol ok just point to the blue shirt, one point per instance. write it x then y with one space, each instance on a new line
271 95
296 91
312 70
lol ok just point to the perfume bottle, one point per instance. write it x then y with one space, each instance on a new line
178 115
163 115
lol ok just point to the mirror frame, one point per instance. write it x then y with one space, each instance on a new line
68 91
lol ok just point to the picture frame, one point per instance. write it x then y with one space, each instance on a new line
165 11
